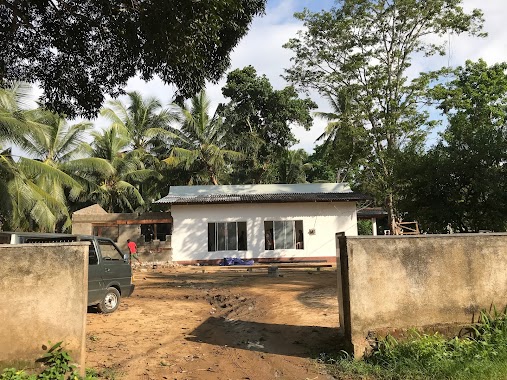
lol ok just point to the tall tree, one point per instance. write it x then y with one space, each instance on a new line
116 190
290 167
259 120
14 124
459 183
24 204
142 119
56 158
344 141
200 145
148 127
360 51
81 50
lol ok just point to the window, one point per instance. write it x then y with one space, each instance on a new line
283 234
156 231
230 236
92 255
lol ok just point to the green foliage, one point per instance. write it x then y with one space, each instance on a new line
114 183
345 142
323 166
144 121
358 55
200 146
80 51
57 362
290 167
31 190
364 227
148 129
50 152
255 106
481 355
456 183
259 121
13 117
57 365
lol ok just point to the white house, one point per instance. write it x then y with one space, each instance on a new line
263 222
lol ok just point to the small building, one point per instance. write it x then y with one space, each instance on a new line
151 230
262 222
373 214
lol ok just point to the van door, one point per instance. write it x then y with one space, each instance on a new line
96 287
116 270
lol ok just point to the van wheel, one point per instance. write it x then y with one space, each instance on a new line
111 301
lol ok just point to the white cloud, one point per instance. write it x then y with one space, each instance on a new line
492 48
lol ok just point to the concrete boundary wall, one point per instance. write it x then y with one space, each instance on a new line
390 283
43 292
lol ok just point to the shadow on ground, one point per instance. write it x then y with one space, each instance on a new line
290 340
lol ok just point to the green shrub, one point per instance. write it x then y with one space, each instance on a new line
364 227
481 354
57 365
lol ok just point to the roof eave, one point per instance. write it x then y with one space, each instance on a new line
267 201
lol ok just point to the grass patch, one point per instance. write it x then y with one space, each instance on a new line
482 354
26 364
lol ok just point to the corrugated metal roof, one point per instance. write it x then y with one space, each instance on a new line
301 188
371 212
320 192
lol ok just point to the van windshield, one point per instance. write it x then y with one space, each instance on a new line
109 251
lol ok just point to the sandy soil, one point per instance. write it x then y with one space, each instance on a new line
182 323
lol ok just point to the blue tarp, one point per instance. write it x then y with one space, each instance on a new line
229 261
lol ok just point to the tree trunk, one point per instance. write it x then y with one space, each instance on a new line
391 215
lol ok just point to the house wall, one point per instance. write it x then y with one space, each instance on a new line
43 292
190 229
435 282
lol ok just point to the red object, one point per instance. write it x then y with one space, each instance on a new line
132 247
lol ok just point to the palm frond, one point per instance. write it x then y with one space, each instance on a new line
38 170
89 165
142 175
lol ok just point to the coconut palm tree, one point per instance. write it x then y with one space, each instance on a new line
117 190
200 144
288 166
148 127
345 139
50 151
24 204
14 102
58 159
144 121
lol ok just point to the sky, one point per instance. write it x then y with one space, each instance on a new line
262 48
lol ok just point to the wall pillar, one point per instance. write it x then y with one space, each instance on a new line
374 226
43 288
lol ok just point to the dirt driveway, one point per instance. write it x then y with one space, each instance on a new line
184 324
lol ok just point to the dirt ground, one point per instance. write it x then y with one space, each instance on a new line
181 323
